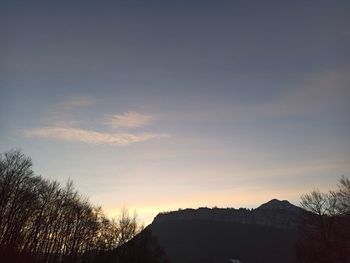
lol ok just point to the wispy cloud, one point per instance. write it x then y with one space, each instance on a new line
130 119
317 94
76 102
63 125
62 113
91 137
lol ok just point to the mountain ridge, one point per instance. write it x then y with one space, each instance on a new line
268 233
274 213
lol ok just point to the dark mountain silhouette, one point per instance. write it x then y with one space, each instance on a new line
143 248
265 234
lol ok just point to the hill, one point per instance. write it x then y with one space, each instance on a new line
265 234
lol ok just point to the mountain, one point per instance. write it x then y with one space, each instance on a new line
276 204
265 234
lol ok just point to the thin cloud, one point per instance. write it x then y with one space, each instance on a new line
91 137
62 113
77 102
325 92
130 119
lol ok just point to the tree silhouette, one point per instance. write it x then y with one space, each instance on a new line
41 221
325 233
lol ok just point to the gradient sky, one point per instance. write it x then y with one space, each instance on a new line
157 105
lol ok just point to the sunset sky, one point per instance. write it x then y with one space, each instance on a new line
157 105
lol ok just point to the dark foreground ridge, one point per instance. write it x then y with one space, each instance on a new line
265 234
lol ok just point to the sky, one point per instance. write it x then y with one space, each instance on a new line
160 105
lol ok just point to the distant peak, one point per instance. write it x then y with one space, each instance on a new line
276 204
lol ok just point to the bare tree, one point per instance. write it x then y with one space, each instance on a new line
343 196
41 221
325 232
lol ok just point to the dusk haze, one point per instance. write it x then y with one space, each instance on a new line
155 106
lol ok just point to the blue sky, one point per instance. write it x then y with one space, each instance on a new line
164 104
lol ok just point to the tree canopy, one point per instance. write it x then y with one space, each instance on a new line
43 221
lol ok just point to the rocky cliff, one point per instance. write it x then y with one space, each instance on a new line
275 213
